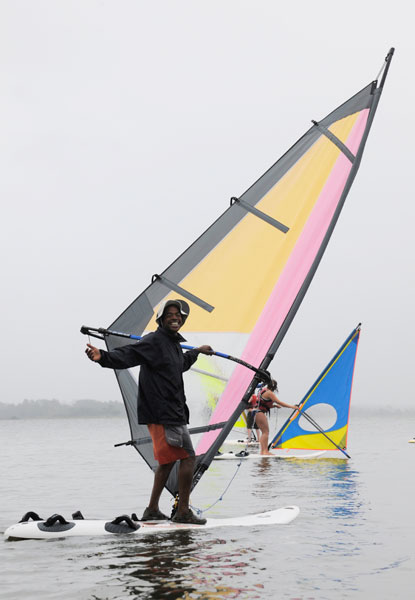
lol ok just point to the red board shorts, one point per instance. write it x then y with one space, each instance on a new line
170 442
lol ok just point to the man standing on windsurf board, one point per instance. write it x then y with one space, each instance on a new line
162 402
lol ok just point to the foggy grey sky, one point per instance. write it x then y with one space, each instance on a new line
127 126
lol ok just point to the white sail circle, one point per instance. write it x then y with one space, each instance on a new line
324 414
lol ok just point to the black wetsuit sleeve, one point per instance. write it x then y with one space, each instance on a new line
128 356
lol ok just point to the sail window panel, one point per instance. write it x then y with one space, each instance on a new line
210 387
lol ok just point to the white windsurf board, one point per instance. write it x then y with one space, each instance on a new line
242 443
94 527
251 455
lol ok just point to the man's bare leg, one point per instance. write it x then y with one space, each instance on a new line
183 513
160 478
186 470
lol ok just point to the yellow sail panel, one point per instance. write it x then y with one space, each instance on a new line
317 441
255 251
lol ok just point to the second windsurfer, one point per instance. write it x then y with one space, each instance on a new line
261 404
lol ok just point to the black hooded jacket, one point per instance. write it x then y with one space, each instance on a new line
161 397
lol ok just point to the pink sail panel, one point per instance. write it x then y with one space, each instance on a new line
289 283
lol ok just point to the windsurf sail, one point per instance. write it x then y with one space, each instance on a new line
323 419
247 274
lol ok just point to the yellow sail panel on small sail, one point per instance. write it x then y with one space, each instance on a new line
317 441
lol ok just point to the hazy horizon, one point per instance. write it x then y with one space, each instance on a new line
90 408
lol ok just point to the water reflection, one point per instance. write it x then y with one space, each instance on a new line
333 481
185 565
344 481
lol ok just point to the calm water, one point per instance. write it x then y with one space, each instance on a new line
354 537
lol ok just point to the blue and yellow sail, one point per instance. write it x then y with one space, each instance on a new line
333 388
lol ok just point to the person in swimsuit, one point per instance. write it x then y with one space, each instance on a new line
265 400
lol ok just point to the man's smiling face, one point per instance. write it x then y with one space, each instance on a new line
172 319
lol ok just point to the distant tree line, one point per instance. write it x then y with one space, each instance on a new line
53 409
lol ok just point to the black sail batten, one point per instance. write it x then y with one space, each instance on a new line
335 141
138 315
260 215
192 430
185 293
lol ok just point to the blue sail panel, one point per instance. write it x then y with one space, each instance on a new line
331 391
